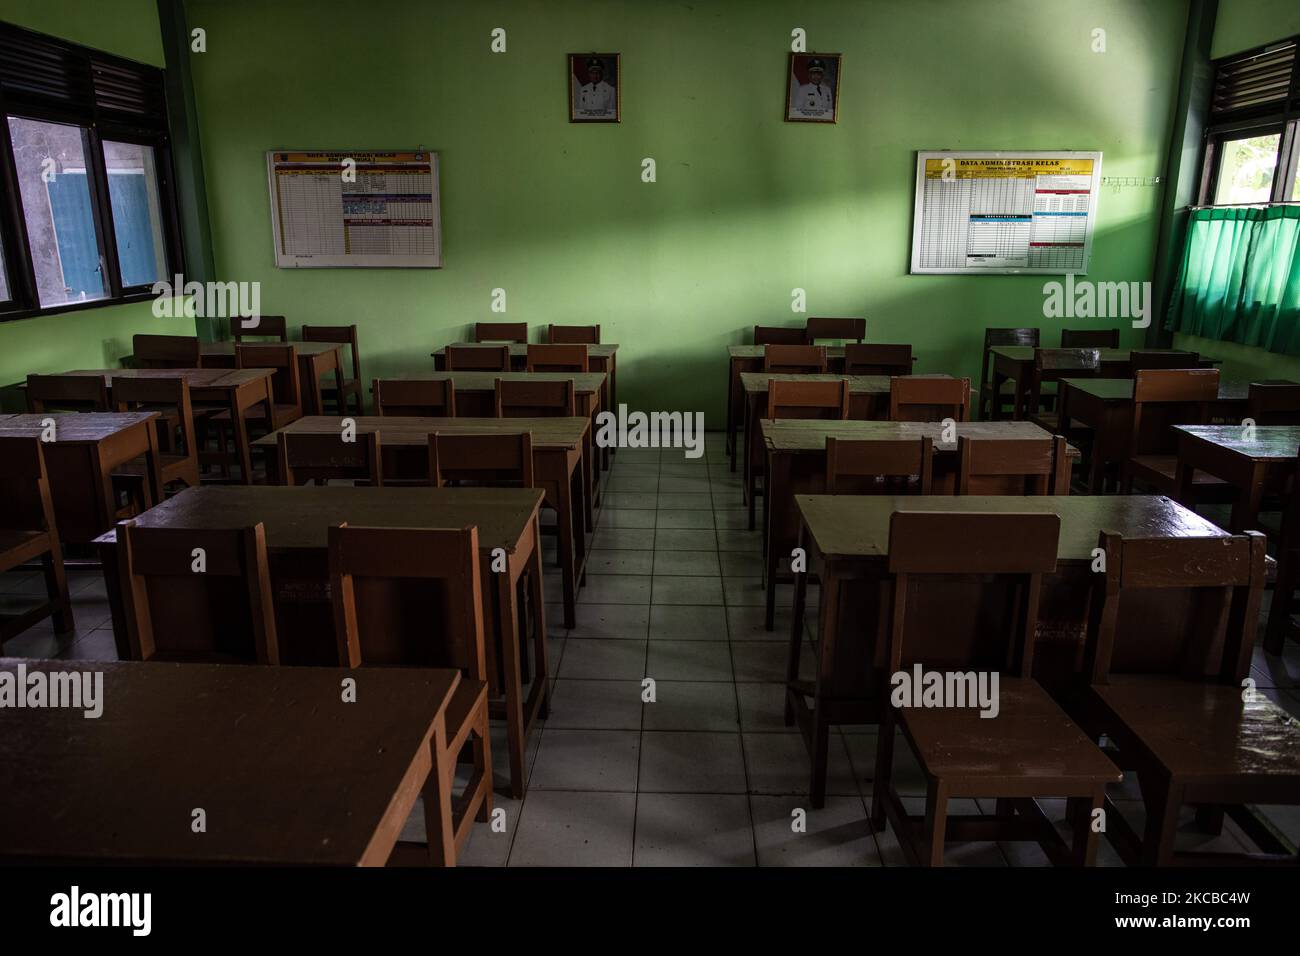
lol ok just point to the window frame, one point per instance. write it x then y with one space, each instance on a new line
95 127
1281 119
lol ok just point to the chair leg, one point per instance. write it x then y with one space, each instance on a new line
438 824
1086 839
936 822
821 733
884 771
56 587
540 657
514 691
482 745
1162 801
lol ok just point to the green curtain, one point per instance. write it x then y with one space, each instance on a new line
1240 278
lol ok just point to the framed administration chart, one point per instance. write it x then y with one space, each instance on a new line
1001 213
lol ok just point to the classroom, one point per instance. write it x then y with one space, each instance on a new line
840 434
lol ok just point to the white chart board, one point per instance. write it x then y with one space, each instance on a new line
355 208
999 213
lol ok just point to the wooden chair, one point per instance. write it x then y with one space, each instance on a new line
1280 623
491 460
1168 650
191 594
1140 360
67 393
808 399
414 398
1017 466
412 597
273 327
346 388
573 334
916 399
178 449
846 330
515 333
1089 338
794 359
316 459
877 360
1162 398
477 358
557 358
1029 749
779 335
286 388
518 398
994 338
1274 403
165 351
865 467
28 532
1050 366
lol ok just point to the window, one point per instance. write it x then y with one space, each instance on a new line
84 143
1254 124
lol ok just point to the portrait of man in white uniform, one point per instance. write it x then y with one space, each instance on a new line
593 87
813 87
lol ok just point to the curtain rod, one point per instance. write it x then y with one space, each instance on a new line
1238 205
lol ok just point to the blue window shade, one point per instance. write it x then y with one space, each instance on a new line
74 232
136 256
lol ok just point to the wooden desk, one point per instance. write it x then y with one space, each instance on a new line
87 446
796 463
868 400
1016 363
1254 467
1106 406
230 390
297 522
558 448
315 361
285 772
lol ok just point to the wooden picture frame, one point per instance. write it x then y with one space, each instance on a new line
812 78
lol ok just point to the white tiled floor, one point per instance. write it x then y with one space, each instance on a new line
707 774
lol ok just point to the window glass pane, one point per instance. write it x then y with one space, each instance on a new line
137 215
1246 169
51 164
4 278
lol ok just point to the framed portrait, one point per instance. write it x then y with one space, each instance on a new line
812 92
594 83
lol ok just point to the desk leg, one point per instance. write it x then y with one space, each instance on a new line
508 616
568 519
542 669
1245 510
777 480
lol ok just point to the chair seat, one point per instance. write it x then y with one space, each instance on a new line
1203 732
17 547
1160 470
1031 737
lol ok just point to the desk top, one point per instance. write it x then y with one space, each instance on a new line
304 348
195 378
520 349
1268 442
566 433
300 518
1121 389
74 427
584 383
755 383
286 772
756 351
857 526
809 435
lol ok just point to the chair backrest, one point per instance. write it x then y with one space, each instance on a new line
521 398
407 597
285 386
573 334
828 400
877 360
1182 607
413 397
515 332
1274 403
779 335
916 399
1052 365
847 330
863 467
69 393
169 396
794 359
342 334
996 337
25 503
495 460
1015 466
311 458
267 327
990 563
1140 359
197 593
1089 338
165 351
1165 397
477 358
557 358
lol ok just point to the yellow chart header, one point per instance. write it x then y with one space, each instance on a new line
1005 168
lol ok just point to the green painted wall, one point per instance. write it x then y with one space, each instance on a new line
746 207
1243 24
94 338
